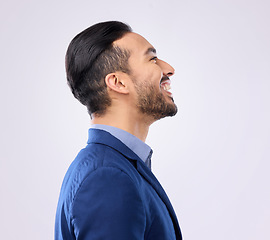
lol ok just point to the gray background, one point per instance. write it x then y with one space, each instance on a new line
212 158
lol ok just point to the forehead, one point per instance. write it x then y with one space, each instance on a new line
134 42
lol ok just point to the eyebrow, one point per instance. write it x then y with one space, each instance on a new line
150 50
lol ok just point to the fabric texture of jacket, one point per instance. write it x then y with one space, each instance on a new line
109 193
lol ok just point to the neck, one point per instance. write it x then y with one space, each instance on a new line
126 120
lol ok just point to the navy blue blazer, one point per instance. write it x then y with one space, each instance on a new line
109 193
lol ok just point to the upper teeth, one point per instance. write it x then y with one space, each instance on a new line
166 87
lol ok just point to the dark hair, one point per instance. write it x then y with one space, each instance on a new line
90 57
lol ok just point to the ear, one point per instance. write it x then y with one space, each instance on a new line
117 82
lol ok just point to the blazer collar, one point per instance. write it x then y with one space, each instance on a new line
105 138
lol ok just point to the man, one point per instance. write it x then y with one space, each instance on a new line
109 191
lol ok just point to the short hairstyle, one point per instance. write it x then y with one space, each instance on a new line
90 57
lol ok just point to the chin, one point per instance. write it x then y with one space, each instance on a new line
170 111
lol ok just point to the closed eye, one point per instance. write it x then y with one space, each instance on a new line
154 59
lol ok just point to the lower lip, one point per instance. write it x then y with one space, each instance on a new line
167 92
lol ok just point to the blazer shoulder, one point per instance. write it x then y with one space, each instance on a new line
90 159
108 193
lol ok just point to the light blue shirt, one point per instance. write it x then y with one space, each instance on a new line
135 144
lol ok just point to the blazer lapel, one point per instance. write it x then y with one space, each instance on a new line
149 176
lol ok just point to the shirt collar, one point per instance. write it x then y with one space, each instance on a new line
135 144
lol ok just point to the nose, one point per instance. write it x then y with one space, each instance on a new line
167 69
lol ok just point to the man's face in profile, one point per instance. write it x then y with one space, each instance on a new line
150 76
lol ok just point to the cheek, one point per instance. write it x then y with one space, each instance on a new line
157 75
148 75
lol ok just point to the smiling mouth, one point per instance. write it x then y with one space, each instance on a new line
165 84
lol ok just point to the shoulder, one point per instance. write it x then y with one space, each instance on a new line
108 195
107 191
97 164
